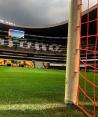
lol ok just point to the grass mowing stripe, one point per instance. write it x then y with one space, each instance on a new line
33 107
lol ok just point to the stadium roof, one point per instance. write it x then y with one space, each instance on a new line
56 30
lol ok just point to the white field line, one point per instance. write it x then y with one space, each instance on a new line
24 107
88 103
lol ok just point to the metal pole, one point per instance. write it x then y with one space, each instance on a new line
73 51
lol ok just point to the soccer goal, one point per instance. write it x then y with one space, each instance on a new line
82 56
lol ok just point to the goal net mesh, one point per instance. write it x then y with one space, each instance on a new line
88 85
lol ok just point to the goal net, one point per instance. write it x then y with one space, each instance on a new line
88 82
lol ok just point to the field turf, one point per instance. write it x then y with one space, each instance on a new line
33 86
22 85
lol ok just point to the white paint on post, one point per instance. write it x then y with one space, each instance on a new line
73 52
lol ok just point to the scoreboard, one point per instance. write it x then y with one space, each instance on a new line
16 33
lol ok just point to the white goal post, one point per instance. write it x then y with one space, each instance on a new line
73 51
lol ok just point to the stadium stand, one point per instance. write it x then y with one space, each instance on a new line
46 44
40 49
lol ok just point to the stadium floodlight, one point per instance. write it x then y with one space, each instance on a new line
73 52
7 22
10 23
1 20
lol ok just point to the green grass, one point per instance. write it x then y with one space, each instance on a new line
89 87
22 85
35 86
59 112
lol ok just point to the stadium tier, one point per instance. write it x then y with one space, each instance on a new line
41 48
32 47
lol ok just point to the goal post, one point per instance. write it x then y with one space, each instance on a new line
73 52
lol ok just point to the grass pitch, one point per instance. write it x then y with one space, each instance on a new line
23 86
27 86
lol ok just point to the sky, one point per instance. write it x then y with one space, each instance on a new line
36 13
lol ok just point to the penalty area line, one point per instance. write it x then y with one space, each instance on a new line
33 107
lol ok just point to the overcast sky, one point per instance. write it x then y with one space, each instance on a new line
36 12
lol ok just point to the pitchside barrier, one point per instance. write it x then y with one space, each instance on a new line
17 63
